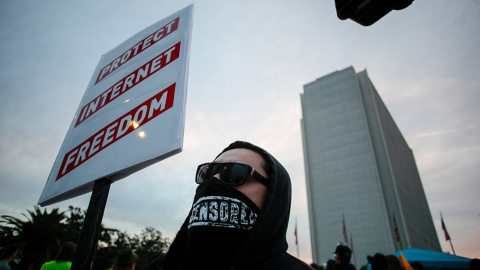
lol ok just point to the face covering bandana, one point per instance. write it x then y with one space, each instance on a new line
219 222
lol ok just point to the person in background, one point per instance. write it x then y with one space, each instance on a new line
416 265
393 263
342 258
378 261
125 260
475 264
8 254
330 264
63 260
26 263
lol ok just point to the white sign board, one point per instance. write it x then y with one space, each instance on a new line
132 113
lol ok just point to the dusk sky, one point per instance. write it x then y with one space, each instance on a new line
248 63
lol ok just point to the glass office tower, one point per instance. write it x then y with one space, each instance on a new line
360 172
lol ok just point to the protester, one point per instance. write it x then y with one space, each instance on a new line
8 254
342 258
125 260
63 260
239 216
378 261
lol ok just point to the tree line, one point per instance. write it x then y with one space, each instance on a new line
42 233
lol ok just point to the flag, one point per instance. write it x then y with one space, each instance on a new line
404 262
395 229
447 236
345 237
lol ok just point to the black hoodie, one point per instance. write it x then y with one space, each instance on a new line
266 244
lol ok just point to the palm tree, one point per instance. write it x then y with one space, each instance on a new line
41 235
43 232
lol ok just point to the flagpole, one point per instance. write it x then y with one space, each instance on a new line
296 238
452 246
345 235
298 252
351 247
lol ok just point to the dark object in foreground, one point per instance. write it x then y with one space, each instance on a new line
367 12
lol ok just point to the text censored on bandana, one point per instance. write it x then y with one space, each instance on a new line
219 211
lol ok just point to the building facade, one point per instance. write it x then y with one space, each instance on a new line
363 185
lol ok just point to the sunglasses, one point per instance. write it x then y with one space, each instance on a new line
231 173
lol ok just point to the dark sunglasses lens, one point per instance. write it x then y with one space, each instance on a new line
230 173
204 172
234 174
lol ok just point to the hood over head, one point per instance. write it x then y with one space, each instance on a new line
268 236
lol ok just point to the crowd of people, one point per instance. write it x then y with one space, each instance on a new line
379 261
125 259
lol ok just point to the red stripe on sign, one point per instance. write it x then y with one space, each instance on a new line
118 129
128 82
138 48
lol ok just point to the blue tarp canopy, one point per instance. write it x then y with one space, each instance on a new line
434 259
